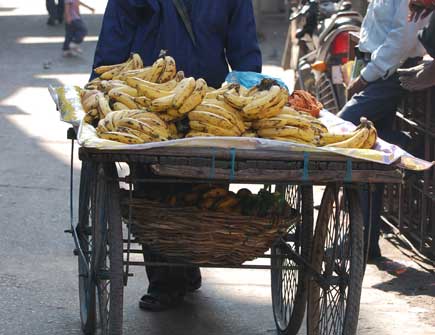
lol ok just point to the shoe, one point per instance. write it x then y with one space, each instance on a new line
69 53
75 47
153 302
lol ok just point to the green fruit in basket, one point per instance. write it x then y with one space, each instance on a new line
244 192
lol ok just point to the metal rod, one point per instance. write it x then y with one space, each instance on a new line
248 267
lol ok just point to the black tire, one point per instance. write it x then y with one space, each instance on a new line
289 286
87 295
337 255
108 255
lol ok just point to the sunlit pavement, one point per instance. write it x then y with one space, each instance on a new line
38 275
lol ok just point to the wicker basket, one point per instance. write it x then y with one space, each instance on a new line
200 237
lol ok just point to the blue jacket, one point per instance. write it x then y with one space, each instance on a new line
224 30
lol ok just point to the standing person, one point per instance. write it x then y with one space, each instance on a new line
205 37
75 28
55 11
421 76
388 41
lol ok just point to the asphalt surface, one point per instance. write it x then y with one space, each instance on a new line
38 272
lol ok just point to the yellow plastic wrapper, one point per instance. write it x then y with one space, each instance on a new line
68 102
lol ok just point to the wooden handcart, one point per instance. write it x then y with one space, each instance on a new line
316 265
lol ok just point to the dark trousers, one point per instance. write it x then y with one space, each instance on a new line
74 32
377 102
427 37
165 279
55 10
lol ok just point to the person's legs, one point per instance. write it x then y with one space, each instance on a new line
378 103
68 38
52 12
60 10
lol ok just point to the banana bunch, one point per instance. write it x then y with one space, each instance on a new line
215 118
260 102
132 127
291 125
95 105
107 72
364 137
173 99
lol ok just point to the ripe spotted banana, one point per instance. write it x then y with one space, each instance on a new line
144 137
103 106
125 89
228 114
183 90
372 138
211 118
158 69
306 134
162 104
149 91
170 70
195 98
121 137
260 104
355 142
142 101
215 130
281 121
237 101
124 98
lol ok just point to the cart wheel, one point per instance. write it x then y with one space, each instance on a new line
84 233
108 251
289 286
337 255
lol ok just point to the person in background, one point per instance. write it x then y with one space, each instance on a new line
388 41
421 76
55 11
75 28
204 37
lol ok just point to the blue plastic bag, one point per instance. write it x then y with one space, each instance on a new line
250 79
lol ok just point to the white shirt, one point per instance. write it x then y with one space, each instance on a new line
389 37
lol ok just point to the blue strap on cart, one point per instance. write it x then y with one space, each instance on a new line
233 164
305 174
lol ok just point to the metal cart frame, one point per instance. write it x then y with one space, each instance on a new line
316 267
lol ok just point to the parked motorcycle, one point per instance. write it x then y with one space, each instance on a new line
318 48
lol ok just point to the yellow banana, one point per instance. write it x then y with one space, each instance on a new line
220 103
259 104
306 134
94 113
126 89
88 119
174 112
195 98
281 121
226 203
355 142
123 98
236 100
215 130
217 192
194 133
173 131
331 138
144 137
158 68
147 90
271 111
162 104
137 61
212 119
144 74
103 106
105 68
142 101
207 203
372 138
90 102
139 126
183 90
168 86
170 70
121 137
234 118
216 93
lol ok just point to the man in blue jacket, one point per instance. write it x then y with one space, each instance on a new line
205 37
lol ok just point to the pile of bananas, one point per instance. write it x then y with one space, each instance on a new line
132 127
185 107
216 198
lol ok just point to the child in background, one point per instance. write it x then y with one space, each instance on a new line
75 28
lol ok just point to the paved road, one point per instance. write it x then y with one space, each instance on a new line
38 276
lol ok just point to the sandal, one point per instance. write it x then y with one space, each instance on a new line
160 302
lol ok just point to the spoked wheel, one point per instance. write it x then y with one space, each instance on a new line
289 284
85 239
108 255
337 255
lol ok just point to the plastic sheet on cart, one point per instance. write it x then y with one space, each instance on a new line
68 102
384 153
